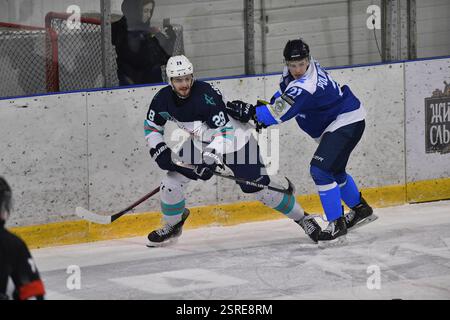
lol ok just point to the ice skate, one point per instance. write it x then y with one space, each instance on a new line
359 215
334 234
310 226
168 234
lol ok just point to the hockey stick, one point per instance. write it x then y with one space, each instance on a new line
290 190
101 219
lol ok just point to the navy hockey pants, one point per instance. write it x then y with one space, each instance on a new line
335 148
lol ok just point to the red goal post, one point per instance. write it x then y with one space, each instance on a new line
76 52
57 57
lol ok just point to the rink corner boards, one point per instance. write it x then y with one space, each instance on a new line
136 225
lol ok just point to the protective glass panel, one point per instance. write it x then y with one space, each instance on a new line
337 32
48 46
52 46
433 28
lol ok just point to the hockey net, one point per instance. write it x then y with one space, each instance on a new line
58 57
22 60
78 52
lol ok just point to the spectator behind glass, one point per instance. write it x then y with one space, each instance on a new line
141 49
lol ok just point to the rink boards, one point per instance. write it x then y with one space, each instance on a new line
88 149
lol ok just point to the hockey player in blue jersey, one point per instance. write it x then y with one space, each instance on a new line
330 114
216 140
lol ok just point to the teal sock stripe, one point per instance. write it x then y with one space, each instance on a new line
173 209
286 205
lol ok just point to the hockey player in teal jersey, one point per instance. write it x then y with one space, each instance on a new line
330 114
216 141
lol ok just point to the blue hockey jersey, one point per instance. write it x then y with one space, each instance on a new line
316 101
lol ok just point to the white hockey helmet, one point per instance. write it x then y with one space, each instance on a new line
178 66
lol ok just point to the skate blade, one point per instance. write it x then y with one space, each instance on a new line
361 223
341 241
162 244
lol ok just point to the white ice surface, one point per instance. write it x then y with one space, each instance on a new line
266 260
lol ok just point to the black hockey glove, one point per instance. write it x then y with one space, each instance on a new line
240 110
210 162
162 154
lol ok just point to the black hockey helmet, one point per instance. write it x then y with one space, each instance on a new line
5 199
296 50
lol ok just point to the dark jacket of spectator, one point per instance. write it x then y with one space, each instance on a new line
141 49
